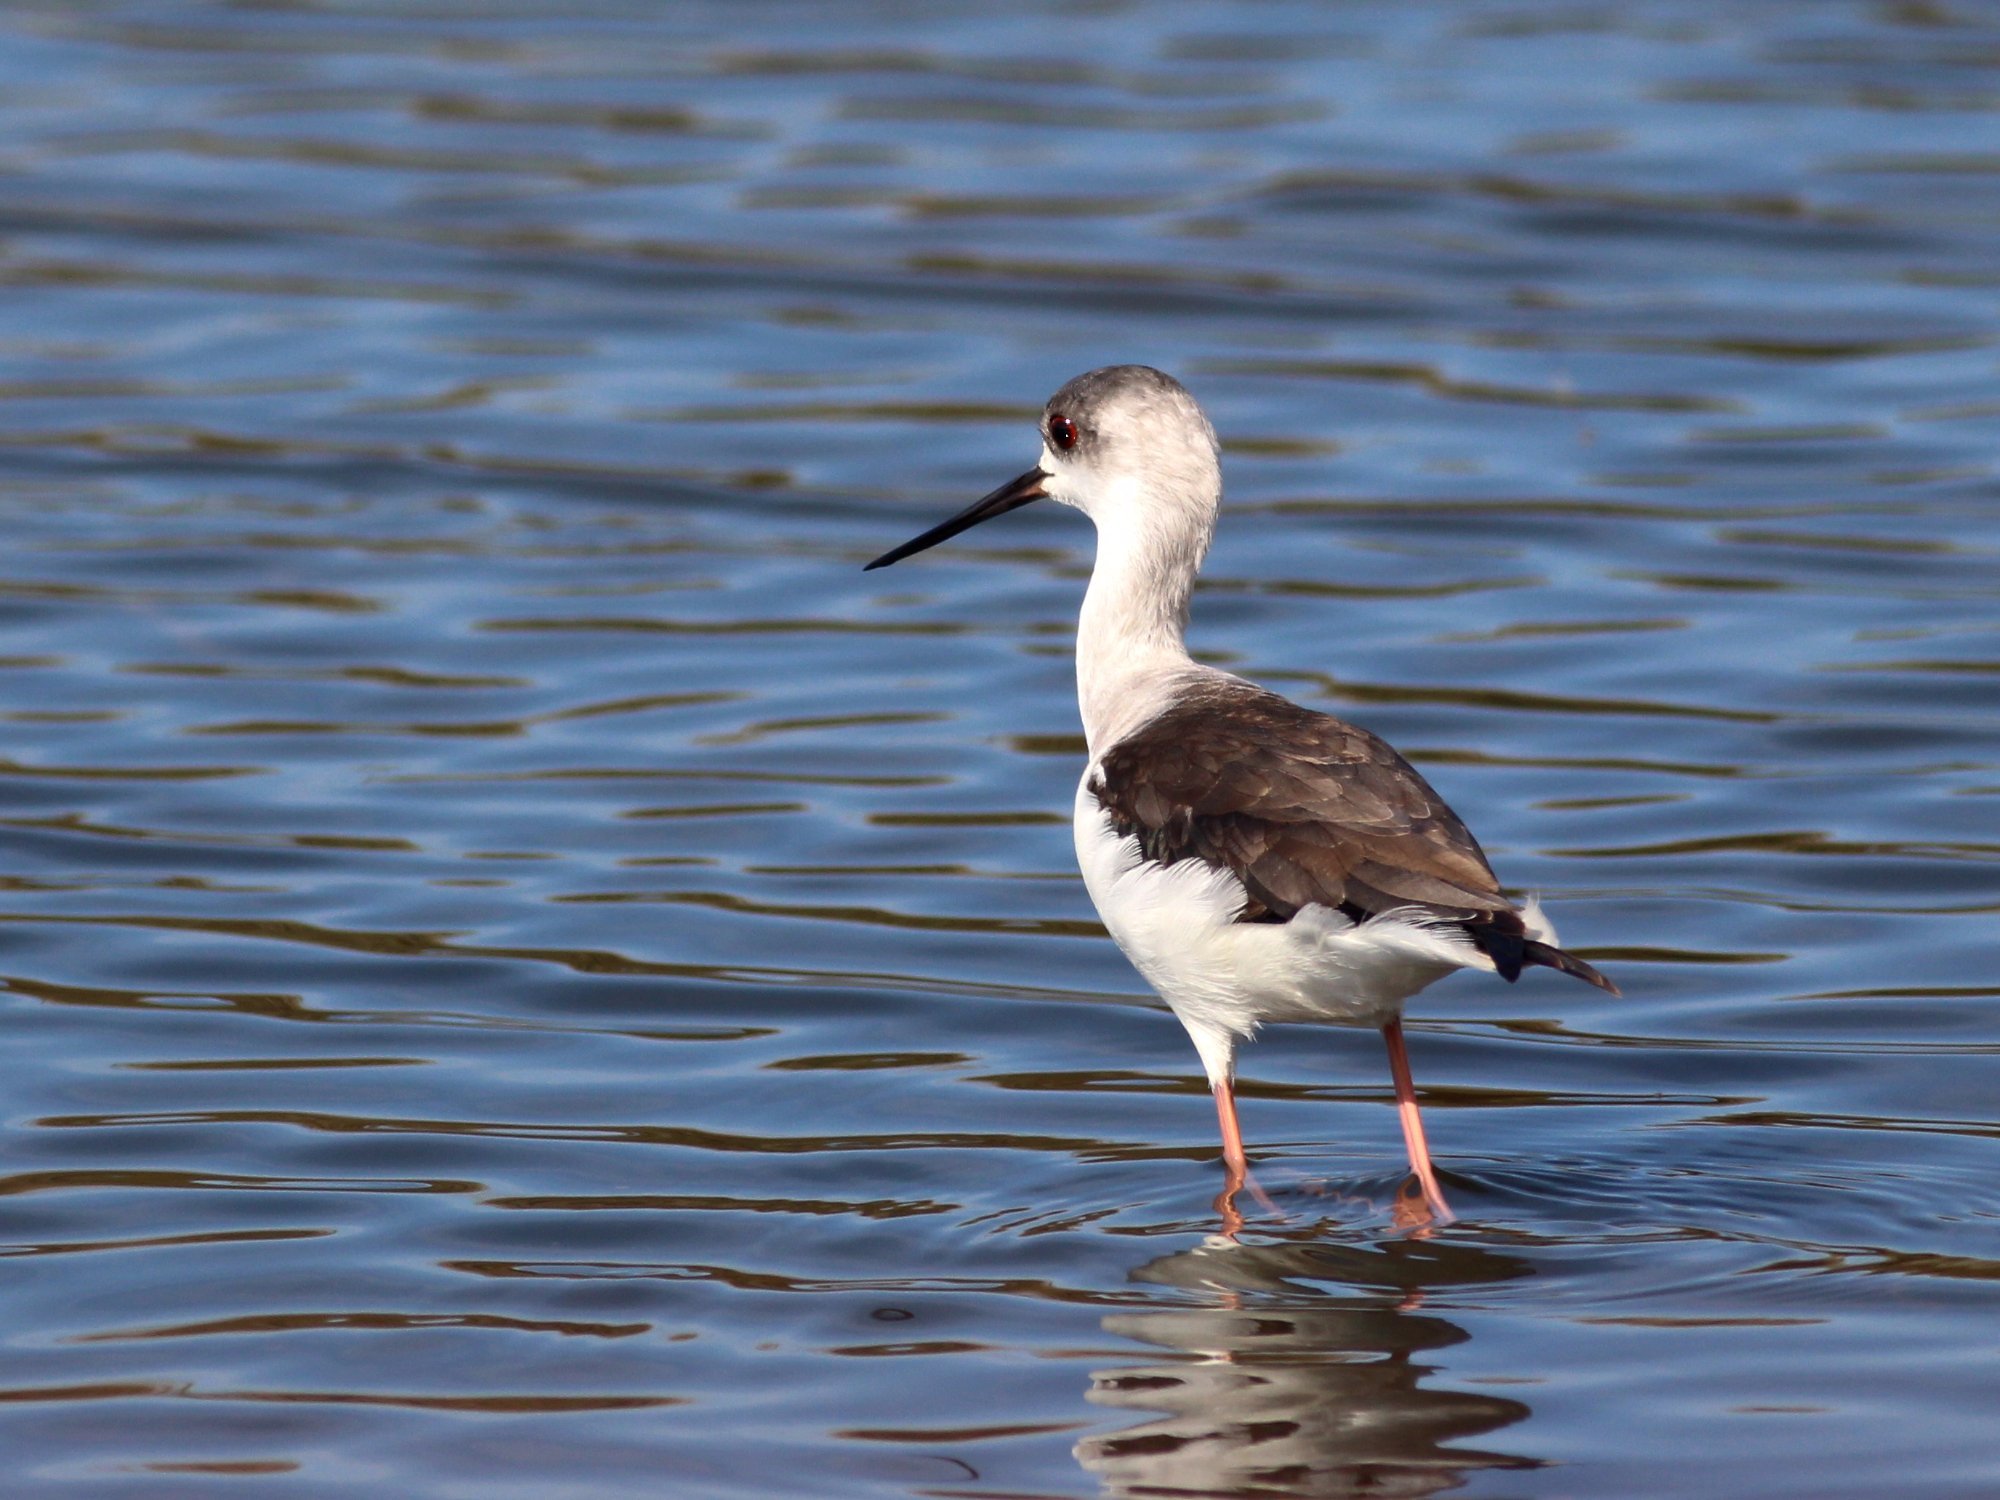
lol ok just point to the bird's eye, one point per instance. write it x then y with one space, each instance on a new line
1062 432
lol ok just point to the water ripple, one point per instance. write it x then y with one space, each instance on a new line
529 973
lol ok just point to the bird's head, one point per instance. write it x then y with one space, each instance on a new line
1127 446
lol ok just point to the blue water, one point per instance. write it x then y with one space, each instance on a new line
528 974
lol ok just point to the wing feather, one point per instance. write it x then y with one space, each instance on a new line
1306 809
1303 807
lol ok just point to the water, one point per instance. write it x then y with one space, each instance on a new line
527 974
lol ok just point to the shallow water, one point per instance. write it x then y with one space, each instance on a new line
528 974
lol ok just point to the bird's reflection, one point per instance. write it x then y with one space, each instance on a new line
1309 1376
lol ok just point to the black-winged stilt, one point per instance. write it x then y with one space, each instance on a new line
1255 860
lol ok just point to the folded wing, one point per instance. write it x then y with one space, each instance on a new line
1306 809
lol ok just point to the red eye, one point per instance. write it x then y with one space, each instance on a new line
1062 432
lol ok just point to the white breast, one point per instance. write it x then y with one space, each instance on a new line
1177 923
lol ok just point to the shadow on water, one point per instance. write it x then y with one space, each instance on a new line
1300 1369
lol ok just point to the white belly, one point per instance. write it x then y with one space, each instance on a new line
1177 923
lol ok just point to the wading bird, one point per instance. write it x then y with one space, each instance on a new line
1256 861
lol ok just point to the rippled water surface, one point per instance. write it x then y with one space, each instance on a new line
527 974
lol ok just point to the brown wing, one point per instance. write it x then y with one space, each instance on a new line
1306 809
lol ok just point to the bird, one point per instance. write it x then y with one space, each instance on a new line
1256 860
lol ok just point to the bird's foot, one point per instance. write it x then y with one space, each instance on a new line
1238 1179
1230 1215
1419 1206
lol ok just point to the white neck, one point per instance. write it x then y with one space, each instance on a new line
1130 647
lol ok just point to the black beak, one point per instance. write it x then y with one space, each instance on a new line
1012 495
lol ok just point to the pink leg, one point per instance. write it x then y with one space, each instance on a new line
1413 1123
1235 1165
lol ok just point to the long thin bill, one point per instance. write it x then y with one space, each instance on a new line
1012 495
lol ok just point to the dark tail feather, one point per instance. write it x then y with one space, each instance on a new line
1511 950
1554 958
